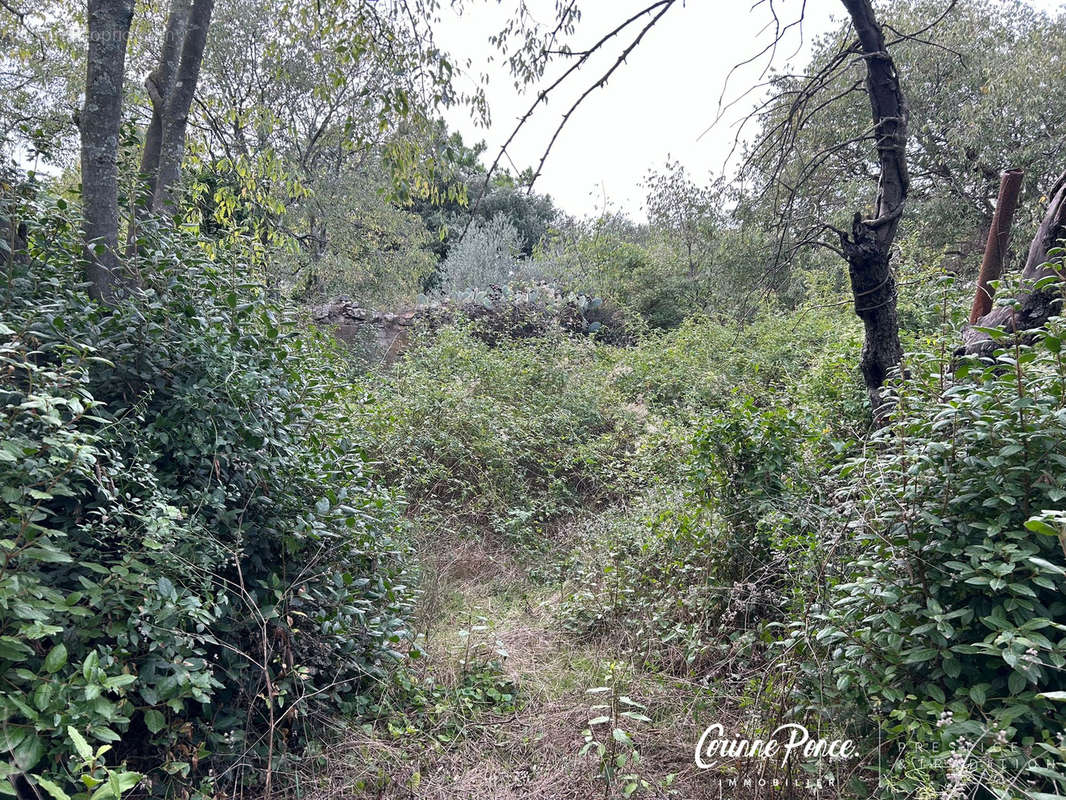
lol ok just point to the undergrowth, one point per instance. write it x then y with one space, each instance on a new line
198 561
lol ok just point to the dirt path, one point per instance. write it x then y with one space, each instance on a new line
477 605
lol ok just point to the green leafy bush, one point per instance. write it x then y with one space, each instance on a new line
691 576
197 559
948 620
513 437
806 359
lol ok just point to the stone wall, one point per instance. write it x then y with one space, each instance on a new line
387 333
496 317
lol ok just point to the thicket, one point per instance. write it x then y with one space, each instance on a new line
203 591
199 563
904 588
946 625
206 507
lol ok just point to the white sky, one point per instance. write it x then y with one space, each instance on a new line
654 107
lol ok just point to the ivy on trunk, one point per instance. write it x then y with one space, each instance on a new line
868 247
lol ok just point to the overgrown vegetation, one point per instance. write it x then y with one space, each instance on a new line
612 482
194 589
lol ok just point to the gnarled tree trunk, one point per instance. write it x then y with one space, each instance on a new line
109 26
868 246
160 85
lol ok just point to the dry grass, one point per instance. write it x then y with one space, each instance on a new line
532 754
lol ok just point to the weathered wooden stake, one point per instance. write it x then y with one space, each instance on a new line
998 239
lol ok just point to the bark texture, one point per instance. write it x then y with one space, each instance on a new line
109 26
160 85
868 246
178 102
998 240
1037 306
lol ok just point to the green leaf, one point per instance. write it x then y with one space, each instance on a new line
1047 565
154 720
1039 526
80 744
11 649
166 588
28 752
47 555
118 681
1048 773
56 658
52 789
1016 683
89 664
104 734
43 696
920 654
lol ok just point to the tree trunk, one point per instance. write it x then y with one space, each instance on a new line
160 85
1037 305
109 26
874 289
176 112
869 245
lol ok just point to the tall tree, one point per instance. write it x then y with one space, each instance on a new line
177 101
307 113
101 118
172 86
160 85
867 246
974 109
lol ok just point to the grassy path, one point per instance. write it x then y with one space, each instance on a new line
477 604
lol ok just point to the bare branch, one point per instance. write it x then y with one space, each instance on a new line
543 95
599 84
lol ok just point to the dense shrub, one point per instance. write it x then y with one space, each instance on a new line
692 578
519 310
510 437
197 560
607 257
805 358
487 255
946 627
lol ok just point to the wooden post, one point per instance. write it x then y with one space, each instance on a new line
998 239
